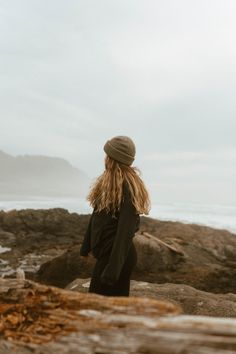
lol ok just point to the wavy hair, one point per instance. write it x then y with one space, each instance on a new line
107 190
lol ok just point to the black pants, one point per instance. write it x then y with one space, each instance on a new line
122 286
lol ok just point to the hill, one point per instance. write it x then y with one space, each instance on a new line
37 175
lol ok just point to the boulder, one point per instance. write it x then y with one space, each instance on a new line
203 262
63 269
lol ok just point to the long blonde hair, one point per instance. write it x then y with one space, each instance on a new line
107 190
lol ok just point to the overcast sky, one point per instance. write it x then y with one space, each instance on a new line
76 73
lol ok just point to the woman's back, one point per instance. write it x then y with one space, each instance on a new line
104 226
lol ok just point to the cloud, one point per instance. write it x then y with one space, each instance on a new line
76 73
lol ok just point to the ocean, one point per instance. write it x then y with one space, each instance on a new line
217 216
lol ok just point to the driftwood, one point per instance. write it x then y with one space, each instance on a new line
44 320
170 247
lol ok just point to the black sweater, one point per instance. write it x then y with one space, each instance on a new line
106 234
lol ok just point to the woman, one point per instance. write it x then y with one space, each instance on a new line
118 196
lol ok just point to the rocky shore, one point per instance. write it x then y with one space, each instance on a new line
188 268
206 259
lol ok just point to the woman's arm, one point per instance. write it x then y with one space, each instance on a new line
125 231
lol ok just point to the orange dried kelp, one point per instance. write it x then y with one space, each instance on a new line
31 324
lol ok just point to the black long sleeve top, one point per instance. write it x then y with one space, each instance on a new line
106 234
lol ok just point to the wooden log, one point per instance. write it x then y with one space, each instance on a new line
162 243
44 320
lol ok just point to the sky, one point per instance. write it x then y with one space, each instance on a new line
76 73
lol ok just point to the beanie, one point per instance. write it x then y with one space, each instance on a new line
121 148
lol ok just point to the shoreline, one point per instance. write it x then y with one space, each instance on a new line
215 216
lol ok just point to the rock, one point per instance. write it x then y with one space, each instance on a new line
41 234
157 263
63 269
154 257
36 319
80 285
7 238
192 301
56 221
198 266
206 265
230 252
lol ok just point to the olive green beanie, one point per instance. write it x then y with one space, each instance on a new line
121 148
